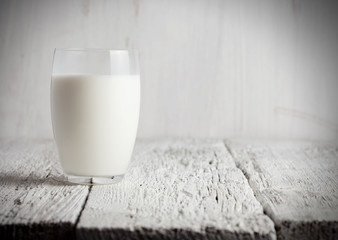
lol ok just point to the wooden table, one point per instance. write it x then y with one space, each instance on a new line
176 189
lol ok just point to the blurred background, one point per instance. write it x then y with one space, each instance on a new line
209 68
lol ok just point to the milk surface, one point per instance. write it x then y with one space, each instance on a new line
95 122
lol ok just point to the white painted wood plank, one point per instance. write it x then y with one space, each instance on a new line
297 184
215 68
36 201
186 189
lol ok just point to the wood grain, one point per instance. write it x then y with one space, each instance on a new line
183 189
36 201
218 68
297 184
176 189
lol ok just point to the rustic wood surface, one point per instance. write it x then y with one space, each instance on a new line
177 189
188 189
297 184
36 202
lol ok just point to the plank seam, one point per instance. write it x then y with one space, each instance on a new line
82 209
253 190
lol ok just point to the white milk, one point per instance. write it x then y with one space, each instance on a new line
95 122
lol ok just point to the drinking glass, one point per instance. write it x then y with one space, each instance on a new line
95 101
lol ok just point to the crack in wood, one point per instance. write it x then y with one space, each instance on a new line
82 208
253 190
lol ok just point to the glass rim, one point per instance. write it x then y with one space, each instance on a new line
95 50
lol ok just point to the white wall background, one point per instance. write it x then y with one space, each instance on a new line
263 68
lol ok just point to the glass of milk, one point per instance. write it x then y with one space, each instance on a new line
95 101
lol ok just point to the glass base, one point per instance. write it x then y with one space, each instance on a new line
94 180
